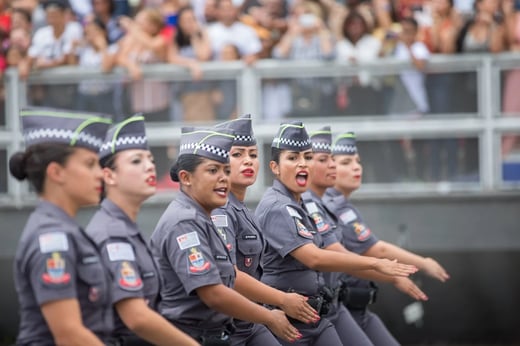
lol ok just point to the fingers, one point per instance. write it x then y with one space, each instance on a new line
416 293
404 269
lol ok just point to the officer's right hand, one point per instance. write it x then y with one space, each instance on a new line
393 268
280 326
407 286
296 306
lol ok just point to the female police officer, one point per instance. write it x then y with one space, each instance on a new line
129 179
237 225
197 270
324 176
293 255
357 237
62 286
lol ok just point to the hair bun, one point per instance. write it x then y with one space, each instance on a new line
17 163
174 172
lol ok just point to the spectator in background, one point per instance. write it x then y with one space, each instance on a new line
105 11
225 95
21 19
307 38
191 45
228 30
143 44
357 46
35 9
511 101
269 20
441 38
410 49
51 47
95 51
169 9
80 8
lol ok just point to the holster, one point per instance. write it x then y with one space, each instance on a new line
219 338
358 298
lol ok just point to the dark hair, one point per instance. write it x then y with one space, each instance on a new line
275 154
32 163
352 16
111 6
181 38
185 162
60 4
26 14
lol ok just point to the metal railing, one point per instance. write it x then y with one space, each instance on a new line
486 125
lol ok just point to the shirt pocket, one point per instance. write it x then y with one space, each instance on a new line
250 248
92 276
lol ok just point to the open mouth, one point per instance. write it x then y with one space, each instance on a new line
301 178
248 172
151 180
221 191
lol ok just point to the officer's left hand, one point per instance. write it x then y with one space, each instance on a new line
296 306
281 327
435 270
407 286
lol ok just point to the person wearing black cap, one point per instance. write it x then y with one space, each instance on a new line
62 285
129 179
358 293
295 256
196 266
239 229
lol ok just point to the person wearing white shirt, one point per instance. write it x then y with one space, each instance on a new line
228 30
417 53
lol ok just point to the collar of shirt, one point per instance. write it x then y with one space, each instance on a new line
113 210
184 199
52 209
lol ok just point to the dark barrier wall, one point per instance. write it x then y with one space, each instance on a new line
477 239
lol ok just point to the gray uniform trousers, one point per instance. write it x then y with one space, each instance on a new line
374 328
347 327
258 335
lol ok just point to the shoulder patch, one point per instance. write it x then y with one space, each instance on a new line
188 240
128 279
293 212
120 252
197 264
219 220
321 225
311 207
53 241
55 273
302 230
348 216
362 231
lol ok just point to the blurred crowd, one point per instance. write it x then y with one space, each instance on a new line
43 34
103 34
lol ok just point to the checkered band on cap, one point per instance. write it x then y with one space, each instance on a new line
213 144
345 144
292 136
77 129
128 134
243 128
321 140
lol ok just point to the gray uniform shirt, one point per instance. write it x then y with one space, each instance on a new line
124 251
190 254
243 235
287 226
356 236
56 260
326 224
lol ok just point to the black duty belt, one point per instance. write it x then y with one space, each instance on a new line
209 337
358 298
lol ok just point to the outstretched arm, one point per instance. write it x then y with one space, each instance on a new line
292 304
382 249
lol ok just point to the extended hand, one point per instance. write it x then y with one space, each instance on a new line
281 327
435 270
407 286
296 306
393 268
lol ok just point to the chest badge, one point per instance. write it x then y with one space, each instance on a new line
55 270
248 261
93 294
